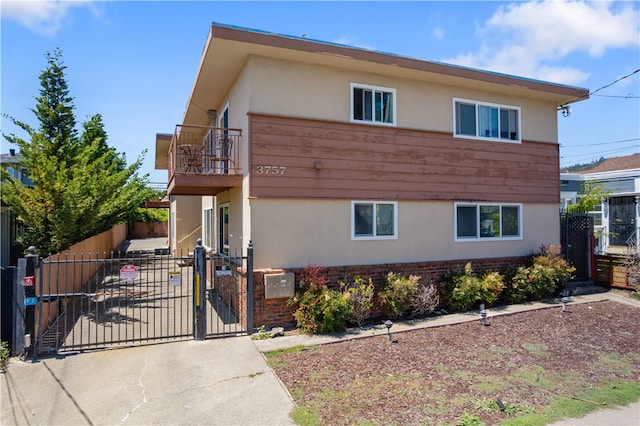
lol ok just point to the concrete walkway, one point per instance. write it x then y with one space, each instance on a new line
212 382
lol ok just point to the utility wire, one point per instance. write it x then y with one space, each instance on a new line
603 143
603 87
629 96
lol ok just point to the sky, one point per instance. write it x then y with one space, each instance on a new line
135 62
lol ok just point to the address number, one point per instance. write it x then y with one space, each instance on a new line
271 170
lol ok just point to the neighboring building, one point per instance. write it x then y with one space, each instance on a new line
326 154
617 219
10 229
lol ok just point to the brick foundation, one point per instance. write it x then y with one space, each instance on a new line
276 312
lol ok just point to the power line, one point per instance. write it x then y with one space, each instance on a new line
599 89
598 154
604 143
629 96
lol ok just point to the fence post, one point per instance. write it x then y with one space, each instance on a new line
199 284
24 337
250 288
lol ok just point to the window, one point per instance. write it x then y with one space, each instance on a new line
223 229
207 228
486 121
373 104
374 220
488 221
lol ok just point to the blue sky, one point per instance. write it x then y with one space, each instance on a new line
135 62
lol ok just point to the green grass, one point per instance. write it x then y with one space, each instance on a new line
272 356
608 395
538 349
304 416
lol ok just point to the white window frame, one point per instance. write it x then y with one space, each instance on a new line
478 236
223 248
490 105
374 236
374 89
208 226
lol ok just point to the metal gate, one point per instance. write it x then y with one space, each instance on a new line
92 302
576 240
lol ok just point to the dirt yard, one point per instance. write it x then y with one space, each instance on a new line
434 375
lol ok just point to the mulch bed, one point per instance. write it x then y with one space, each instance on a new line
433 375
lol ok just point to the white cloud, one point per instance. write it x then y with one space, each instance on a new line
42 17
529 39
438 33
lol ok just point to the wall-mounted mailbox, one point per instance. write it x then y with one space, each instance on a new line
279 285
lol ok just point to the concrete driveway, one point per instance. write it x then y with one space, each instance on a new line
216 382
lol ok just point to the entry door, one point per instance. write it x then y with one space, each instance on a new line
622 220
223 229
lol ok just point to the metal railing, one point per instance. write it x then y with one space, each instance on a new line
205 150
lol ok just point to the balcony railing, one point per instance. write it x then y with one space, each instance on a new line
203 158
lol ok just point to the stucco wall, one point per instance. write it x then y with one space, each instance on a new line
313 91
296 233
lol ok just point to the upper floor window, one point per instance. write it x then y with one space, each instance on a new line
488 221
373 104
374 220
486 121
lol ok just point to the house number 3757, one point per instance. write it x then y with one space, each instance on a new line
271 170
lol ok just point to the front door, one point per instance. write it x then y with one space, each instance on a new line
622 220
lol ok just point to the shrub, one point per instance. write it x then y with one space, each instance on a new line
320 309
463 288
398 293
547 272
360 296
426 300
4 355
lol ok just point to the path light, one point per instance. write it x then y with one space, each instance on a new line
483 317
564 301
388 324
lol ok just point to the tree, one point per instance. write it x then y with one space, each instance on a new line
80 186
591 195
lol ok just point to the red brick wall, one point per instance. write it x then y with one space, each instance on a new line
276 312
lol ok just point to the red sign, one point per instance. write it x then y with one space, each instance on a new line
29 281
128 273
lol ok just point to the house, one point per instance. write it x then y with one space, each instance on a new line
361 161
10 229
616 219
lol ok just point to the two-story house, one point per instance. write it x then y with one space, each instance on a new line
361 161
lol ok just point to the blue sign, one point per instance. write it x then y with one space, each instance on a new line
30 301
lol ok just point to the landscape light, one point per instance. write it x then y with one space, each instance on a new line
388 324
564 300
483 317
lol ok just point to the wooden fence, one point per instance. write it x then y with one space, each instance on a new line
610 271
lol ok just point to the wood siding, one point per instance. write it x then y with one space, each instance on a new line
353 161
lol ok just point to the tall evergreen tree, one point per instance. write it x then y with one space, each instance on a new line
80 185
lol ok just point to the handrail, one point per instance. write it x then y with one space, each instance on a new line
189 235
205 150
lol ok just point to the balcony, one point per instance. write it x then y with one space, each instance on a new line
204 160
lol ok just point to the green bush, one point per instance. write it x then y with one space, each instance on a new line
359 293
4 355
463 288
547 272
320 309
397 294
